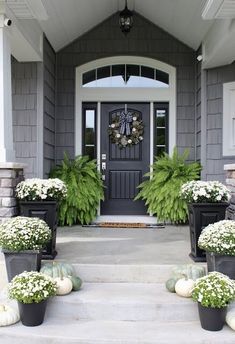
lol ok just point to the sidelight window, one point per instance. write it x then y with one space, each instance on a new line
89 130
161 128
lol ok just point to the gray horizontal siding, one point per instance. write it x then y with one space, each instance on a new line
49 126
24 107
145 39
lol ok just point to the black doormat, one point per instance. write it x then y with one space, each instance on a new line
125 225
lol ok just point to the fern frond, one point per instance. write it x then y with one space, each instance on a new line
161 191
85 190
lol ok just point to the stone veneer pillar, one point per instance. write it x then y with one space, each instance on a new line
230 182
10 175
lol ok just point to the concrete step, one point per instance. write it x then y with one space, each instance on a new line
118 273
108 273
58 331
123 301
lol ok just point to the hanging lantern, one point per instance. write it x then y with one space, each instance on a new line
126 20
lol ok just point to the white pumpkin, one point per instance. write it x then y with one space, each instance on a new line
8 315
230 319
64 285
184 287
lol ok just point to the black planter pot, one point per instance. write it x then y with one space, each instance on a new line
224 264
17 262
47 211
212 319
200 216
32 314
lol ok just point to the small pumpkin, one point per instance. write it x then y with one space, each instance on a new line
170 284
230 319
77 282
57 269
64 285
8 315
184 287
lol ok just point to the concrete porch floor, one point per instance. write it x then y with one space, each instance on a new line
84 245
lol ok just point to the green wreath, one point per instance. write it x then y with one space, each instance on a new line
126 129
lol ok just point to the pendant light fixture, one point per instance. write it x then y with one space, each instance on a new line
126 20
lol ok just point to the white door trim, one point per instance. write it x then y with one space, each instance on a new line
151 95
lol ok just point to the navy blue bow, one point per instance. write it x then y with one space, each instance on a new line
124 120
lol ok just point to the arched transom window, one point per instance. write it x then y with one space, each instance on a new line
125 75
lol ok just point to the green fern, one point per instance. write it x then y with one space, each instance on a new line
161 190
85 190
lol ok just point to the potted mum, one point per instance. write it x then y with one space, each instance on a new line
40 198
213 293
31 290
207 203
218 240
21 240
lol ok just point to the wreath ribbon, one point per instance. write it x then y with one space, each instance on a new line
125 121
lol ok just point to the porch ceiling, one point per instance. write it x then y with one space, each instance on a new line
69 19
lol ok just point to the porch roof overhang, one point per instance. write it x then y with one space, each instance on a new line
25 35
209 23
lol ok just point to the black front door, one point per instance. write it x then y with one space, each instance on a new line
123 169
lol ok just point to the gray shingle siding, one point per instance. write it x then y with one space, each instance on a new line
145 39
49 126
199 94
215 78
24 108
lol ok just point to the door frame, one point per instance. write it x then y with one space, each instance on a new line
126 95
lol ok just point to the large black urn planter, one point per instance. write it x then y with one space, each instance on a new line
47 211
221 263
200 216
18 262
212 319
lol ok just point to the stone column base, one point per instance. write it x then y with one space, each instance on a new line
10 175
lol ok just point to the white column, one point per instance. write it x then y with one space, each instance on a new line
7 153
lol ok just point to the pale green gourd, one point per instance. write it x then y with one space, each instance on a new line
57 269
192 271
170 284
60 270
77 282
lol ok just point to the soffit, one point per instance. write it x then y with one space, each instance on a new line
70 19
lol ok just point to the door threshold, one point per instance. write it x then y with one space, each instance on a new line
145 219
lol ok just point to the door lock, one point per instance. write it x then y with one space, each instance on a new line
103 166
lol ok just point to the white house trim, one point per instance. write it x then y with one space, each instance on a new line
7 153
40 120
229 119
151 95
98 143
